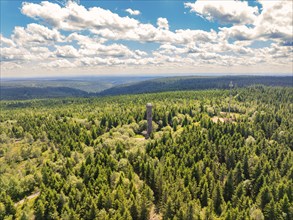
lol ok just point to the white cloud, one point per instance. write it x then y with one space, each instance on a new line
114 50
238 33
10 66
140 53
82 39
224 12
132 12
60 63
94 47
107 24
66 51
14 54
74 17
35 34
170 49
22 54
5 42
163 23
98 37
273 23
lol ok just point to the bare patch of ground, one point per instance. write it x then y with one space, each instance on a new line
215 119
154 215
27 198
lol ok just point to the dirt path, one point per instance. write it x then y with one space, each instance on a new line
29 197
154 215
215 119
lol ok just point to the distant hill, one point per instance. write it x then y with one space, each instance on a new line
196 83
98 86
20 93
87 84
32 88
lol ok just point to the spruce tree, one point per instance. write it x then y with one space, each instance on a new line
229 187
218 199
204 195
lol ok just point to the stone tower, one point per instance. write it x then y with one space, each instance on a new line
149 119
230 86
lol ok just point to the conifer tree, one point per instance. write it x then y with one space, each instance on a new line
218 199
229 187
265 196
204 195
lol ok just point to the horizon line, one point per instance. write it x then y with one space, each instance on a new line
147 75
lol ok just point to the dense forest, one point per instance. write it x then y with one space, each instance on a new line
86 158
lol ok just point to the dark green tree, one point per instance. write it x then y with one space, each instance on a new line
229 187
218 199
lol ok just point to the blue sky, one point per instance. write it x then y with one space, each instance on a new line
145 37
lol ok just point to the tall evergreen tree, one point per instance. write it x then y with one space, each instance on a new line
204 195
229 187
218 199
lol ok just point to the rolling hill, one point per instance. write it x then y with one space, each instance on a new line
196 83
21 93
105 86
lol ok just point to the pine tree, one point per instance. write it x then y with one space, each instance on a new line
246 168
39 210
190 212
169 214
93 212
238 172
265 197
205 195
229 187
10 209
218 199
134 211
286 208
144 212
228 216
258 184
272 211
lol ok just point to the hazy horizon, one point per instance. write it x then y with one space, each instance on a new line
138 76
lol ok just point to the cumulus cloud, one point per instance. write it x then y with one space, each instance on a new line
93 46
163 23
108 25
276 20
114 50
238 33
35 34
82 38
74 17
5 42
273 23
132 12
14 54
66 51
224 12
60 63
171 49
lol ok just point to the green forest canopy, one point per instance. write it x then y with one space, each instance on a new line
85 158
